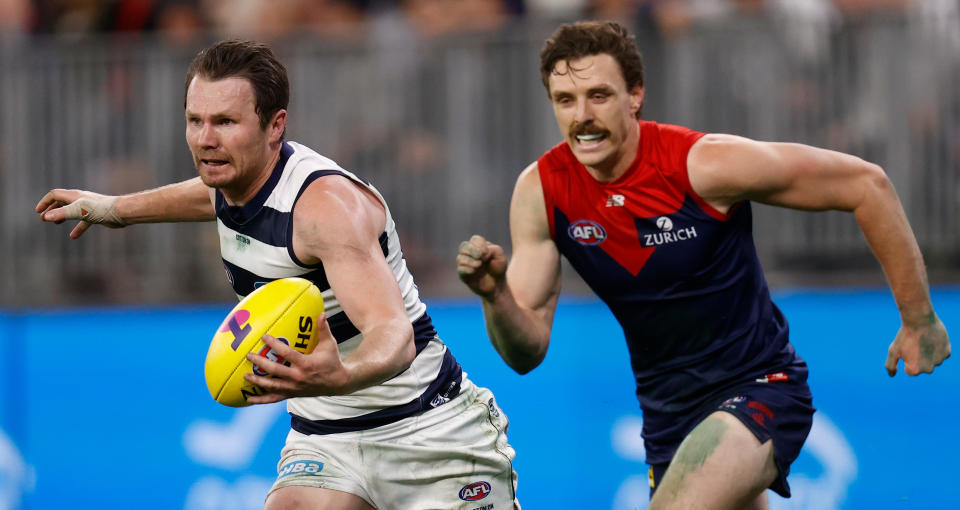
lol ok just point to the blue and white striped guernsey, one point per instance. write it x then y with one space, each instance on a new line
256 246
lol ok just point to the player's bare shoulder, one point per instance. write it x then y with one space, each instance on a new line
529 176
717 167
334 210
528 210
711 152
528 188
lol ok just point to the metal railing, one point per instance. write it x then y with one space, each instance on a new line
443 127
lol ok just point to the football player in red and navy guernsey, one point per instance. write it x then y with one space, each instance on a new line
656 219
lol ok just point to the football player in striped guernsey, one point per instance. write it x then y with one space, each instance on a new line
382 414
656 219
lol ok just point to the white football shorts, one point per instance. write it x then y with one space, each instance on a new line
454 456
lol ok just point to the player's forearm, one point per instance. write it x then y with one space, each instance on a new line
183 201
885 226
519 335
386 350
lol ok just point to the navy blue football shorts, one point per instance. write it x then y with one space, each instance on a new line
775 406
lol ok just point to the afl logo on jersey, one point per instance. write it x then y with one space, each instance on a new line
586 232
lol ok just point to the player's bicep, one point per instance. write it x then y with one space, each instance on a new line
726 169
336 223
534 270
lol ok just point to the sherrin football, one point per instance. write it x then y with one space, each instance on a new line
286 309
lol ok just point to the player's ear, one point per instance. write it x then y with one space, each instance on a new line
636 99
277 125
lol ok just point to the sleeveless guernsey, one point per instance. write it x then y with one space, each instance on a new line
682 279
256 247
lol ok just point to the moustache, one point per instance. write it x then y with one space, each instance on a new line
587 128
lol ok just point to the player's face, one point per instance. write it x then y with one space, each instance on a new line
230 149
596 113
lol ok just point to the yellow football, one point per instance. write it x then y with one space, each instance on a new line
286 309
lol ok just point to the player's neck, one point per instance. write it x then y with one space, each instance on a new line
244 192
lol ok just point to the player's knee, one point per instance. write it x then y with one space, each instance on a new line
296 497
288 498
278 499
721 464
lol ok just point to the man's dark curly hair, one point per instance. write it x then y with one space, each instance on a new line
573 41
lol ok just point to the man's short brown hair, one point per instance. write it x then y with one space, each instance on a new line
250 60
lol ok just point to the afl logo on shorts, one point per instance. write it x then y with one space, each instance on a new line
586 232
475 491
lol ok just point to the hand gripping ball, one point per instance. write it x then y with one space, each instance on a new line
287 309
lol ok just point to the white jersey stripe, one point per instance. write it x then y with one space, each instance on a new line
255 246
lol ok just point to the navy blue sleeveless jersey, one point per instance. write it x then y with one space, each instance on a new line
682 278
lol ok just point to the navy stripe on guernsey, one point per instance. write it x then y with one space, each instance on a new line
274 227
264 229
236 217
244 282
384 239
445 387
340 326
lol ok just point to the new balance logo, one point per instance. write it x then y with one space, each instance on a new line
615 201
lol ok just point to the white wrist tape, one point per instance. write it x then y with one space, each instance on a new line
98 210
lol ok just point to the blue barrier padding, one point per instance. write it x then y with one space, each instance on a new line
104 407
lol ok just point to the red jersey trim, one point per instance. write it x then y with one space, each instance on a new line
653 129
561 158
549 162
707 208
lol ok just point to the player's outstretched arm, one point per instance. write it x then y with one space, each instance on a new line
518 300
183 201
726 169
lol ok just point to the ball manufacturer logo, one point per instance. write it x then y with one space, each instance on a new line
665 224
475 491
271 355
586 232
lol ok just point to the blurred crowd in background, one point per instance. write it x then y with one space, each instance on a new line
181 21
428 98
